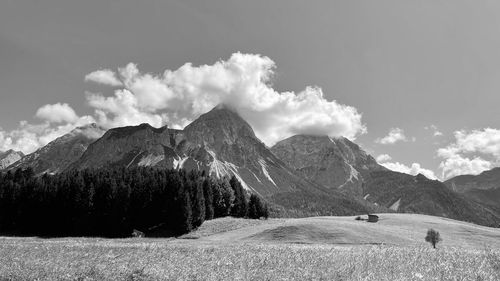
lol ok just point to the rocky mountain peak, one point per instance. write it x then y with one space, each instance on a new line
221 124
336 163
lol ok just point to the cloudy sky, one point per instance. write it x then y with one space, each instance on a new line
416 83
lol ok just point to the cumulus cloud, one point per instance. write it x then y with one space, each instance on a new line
179 96
57 113
104 76
414 169
395 135
57 120
472 152
383 158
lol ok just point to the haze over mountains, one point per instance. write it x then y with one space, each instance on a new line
301 175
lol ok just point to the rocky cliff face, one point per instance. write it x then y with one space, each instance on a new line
130 146
57 155
335 163
9 157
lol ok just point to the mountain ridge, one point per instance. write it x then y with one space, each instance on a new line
58 154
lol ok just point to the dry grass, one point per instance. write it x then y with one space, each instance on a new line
87 260
235 255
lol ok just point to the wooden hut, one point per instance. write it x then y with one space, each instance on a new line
372 218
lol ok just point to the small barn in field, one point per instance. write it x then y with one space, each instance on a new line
372 218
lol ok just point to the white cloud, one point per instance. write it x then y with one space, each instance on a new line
177 97
472 152
458 165
435 130
57 113
58 119
104 76
395 135
243 81
414 170
383 158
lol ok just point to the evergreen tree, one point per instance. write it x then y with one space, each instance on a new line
209 198
239 207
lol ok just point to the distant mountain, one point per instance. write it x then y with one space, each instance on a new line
484 188
9 157
336 163
57 155
341 165
417 194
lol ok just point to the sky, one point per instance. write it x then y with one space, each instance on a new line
415 83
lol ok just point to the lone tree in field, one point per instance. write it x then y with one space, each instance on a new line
433 237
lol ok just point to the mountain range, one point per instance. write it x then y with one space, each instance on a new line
483 188
300 176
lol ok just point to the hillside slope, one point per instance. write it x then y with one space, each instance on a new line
391 229
418 194
483 188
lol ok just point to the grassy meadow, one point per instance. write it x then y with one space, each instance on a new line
323 248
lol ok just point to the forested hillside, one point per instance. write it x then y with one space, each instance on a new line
114 202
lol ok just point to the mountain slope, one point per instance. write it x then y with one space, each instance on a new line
9 157
130 146
335 163
484 188
61 152
418 194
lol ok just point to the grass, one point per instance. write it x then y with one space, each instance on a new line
297 249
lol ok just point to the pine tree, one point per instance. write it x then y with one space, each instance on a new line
209 198
239 207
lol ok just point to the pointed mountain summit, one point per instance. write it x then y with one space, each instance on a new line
9 157
58 154
336 163
226 144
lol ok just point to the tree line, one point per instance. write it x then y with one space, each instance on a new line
114 202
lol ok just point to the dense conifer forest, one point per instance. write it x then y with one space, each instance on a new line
115 202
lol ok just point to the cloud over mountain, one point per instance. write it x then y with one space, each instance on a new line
413 170
57 113
472 152
243 82
177 97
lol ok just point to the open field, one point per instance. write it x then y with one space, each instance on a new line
321 248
